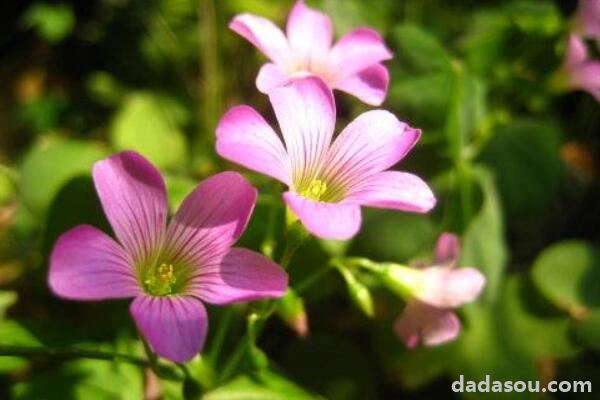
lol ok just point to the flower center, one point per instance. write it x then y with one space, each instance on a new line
315 190
159 281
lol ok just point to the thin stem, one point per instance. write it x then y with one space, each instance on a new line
311 280
219 337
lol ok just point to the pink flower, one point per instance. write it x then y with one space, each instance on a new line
582 72
328 179
168 269
427 318
352 65
587 19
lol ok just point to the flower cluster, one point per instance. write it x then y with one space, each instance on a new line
171 268
580 69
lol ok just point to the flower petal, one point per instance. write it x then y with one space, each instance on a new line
271 76
239 275
450 287
420 323
358 50
264 35
86 264
174 326
244 137
588 17
210 219
305 110
393 189
309 33
326 220
447 249
371 143
576 51
369 85
134 199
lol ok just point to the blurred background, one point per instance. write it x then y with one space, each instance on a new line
513 161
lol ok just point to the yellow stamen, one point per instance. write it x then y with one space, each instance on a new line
315 190
160 280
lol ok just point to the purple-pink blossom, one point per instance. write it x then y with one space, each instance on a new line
353 64
428 318
328 180
587 19
169 269
581 71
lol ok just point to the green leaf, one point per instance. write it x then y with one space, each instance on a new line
483 243
567 273
7 188
178 188
266 385
53 22
587 330
50 164
527 180
7 299
536 17
150 125
420 49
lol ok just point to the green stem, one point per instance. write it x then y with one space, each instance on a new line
66 353
210 84
219 337
311 280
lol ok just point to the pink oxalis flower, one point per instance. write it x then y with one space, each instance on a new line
427 318
580 70
587 19
352 65
168 269
328 179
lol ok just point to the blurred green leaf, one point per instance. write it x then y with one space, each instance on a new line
83 379
7 188
483 243
50 164
7 299
587 330
266 385
52 21
567 273
525 157
421 50
150 125
104 88
178 188
536 17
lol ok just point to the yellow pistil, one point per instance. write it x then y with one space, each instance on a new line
315 190
160 280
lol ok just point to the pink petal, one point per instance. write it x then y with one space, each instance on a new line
240 275
371 143
420 323
326 220
174 326
588 16
271 76
576 51
309 33
86 264
305 110
210 219
264 35
369 85
450 287
587 76
395 190
356 51
244 137
134 199
447 249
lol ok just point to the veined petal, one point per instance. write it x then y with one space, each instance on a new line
271 76
86 264
371 143
369 85
356 51
450 287
134 199
447 249
244 137
337 221
420 323
239 275
309 33
393 189
210 219
174 326
305 110
264 35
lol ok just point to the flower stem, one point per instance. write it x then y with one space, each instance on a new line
66 353
219 337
